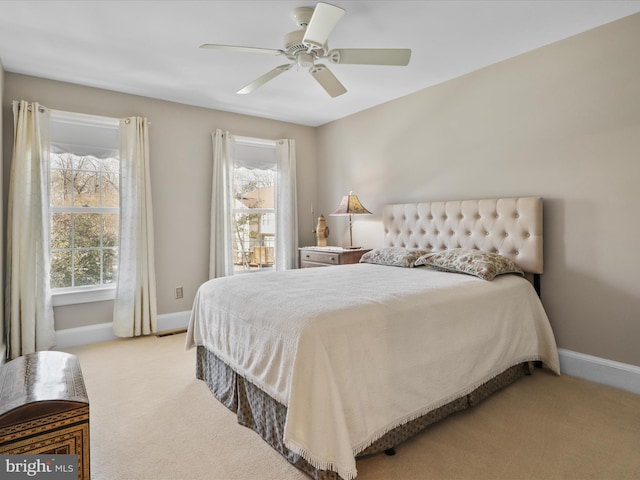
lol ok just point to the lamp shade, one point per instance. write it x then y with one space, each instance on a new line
350 205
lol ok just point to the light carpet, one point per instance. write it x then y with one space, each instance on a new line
151 419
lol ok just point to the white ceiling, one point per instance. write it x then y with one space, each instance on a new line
150 48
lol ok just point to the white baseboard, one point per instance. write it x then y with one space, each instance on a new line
171 321
600 370
102 332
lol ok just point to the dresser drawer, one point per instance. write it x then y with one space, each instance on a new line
313 257
304 264
327 258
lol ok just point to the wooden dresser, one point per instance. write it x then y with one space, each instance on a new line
44 408
323 257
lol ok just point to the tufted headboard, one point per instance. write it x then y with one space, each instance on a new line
511 227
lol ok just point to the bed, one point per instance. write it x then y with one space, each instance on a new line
331 364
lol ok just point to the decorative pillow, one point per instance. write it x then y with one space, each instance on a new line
484 265
394 256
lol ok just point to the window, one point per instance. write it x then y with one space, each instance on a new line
254 207
84 206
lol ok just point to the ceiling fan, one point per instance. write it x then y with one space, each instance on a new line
305 46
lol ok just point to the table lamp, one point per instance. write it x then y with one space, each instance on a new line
350 205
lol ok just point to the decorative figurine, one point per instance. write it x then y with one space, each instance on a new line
322 231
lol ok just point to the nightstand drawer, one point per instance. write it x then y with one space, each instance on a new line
314 257
320 257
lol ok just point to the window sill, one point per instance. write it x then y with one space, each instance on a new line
73 296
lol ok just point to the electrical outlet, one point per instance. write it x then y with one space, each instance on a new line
179 292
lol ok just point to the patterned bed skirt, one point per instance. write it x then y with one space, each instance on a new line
260 412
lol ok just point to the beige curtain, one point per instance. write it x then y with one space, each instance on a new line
287 216
29 311
135 310
221 244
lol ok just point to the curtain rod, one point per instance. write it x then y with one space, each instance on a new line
70 116
41 108
261 142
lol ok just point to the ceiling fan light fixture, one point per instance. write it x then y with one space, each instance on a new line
304 59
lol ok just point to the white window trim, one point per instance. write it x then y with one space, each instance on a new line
255 141
84 118
254 210
74 295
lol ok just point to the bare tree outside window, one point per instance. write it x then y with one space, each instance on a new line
254 218
84 196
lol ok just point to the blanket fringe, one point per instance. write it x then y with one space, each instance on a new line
434 406
344 473
351 473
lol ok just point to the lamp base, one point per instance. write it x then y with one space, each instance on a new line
351 247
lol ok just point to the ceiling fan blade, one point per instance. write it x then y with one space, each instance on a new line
242 49
324 19
370 56
258 82
327 80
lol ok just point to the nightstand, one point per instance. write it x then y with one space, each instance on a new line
326 256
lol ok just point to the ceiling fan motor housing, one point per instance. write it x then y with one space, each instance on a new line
294 46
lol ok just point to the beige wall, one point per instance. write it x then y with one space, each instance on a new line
562 122
181 156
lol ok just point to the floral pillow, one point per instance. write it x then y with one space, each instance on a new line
484 265
394 256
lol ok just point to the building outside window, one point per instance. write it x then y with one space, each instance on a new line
254 207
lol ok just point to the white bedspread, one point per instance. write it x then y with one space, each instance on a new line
355 350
